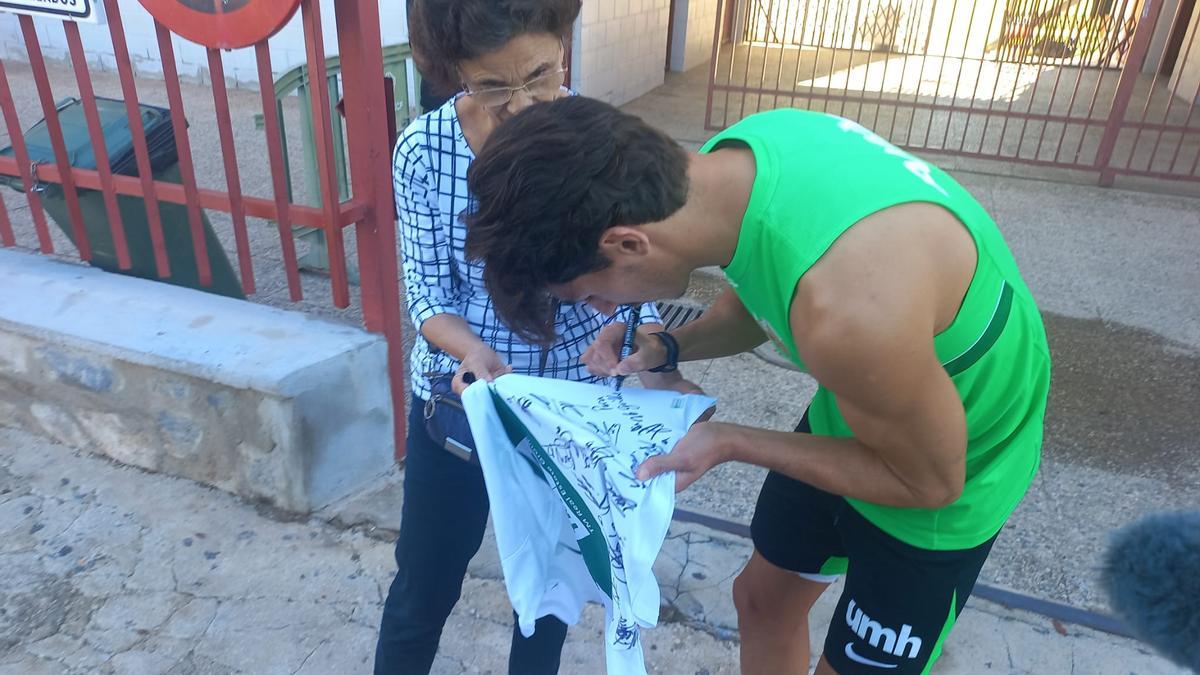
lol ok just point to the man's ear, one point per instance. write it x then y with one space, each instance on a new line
623 241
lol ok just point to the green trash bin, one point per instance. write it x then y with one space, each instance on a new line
164 163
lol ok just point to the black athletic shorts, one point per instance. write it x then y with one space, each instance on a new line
899 601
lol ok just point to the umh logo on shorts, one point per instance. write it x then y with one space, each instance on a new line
875 633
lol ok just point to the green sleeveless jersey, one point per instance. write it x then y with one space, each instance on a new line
818 175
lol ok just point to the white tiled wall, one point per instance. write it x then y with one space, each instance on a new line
622 48
695 22
287 46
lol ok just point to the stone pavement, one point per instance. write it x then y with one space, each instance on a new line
109 569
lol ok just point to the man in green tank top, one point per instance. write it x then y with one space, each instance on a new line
868 268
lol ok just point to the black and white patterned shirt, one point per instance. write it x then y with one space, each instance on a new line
429 175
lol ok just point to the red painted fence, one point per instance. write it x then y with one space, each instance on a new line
369 209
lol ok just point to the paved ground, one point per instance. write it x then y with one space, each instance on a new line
1113 269
112 570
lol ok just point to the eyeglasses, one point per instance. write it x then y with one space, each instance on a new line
540 87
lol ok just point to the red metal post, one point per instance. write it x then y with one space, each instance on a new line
1129 74
283 217
713 65
17 138
323 135
162 264
6 231
187 171
370 172
38 64
216 70
99 147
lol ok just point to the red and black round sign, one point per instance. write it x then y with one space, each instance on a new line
222 24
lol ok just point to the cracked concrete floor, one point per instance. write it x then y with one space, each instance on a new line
108 569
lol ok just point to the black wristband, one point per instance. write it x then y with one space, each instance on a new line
672 346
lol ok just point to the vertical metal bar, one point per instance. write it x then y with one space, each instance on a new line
1187 52
370 169
938 87
782 50
850 68
921 77
1129 73
1137 137
322 136
1075 94
187 171
833 58
272 115
99 146
713 65
1032 99
818 35
1016 52
958 80
800 56
746 77
17 138
141 153
891 136
6 231
1096 90
38 64
762 78
233 182
1187 123
975 90
732 65
1075 33
1004 125
882 84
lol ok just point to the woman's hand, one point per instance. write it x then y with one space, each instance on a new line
481 363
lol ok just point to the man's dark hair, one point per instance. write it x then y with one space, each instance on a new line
444 33
549 182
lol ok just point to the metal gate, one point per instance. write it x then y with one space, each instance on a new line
368 207
1098 85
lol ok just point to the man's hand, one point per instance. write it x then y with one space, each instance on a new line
483 363
603 356
704 447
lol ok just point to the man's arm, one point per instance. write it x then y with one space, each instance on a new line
909 444
725 328
863 320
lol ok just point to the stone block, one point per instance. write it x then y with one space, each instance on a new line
267 404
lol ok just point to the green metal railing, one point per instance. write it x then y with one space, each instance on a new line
396 60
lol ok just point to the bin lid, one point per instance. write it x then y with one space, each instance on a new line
118 139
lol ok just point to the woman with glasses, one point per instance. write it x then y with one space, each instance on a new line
501 56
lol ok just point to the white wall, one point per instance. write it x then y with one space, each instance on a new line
287 47
693 32
621 48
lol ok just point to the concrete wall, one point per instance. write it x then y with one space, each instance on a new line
692 33
620 48
1186 77
267 404
287 47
